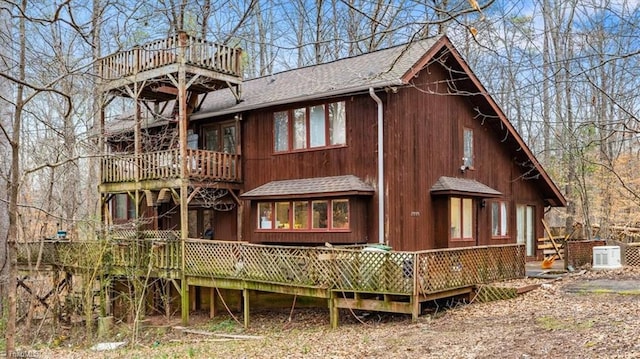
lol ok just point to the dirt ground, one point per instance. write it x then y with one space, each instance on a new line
571 317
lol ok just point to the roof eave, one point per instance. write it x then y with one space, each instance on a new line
303 98
307 195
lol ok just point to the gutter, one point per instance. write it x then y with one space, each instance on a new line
381 194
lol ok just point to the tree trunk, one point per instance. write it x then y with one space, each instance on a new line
14 189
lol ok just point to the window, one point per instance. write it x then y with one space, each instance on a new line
282 215
265 215
123 207
309 127
461 218
499 219
525 229
316 215
467 159
337 124
320 217
220 137
281 131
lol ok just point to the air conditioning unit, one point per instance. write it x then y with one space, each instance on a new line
606 257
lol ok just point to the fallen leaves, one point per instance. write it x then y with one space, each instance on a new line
548 321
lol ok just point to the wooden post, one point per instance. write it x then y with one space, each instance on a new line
333 311
415 308
193 294
245 302
182 131
212 302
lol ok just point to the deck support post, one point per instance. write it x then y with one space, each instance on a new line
245 302
212 302
415 308
333 311
184 182
184 296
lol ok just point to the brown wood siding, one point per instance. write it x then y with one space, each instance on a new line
225 224
424 134
423 128
358 157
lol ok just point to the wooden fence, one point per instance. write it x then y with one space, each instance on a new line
198 52
345 269
201 164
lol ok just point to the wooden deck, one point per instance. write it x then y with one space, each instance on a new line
348 277
209 64
158 165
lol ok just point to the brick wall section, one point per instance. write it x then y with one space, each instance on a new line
580 253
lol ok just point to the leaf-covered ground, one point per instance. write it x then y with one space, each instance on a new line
554 321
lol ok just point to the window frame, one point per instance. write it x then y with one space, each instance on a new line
123 202
463 214
468 148
224 142
287 140
501 209
309 216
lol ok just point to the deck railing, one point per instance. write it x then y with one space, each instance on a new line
201 164
445 269
198 52
388 272
359 270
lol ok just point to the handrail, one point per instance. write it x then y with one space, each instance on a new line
158 53
201 164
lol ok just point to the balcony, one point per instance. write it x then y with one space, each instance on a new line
212 65
165 165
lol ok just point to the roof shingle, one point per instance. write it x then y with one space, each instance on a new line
309 187
375 69
453 185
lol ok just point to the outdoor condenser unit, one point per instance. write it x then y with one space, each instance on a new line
606 257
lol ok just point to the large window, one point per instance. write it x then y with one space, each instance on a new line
309 127
468 148
324 215
499 227
461 218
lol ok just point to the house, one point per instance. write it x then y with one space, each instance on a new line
311 142
401 148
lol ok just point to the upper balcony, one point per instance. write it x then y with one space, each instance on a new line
164 166
154 66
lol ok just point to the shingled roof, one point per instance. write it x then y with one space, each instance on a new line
453 185
310 187
375 69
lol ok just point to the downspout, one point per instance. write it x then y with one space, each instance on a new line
381 193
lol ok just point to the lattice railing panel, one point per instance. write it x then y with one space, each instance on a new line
632 255
212 258
129 234
440 270
360 270
373 271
